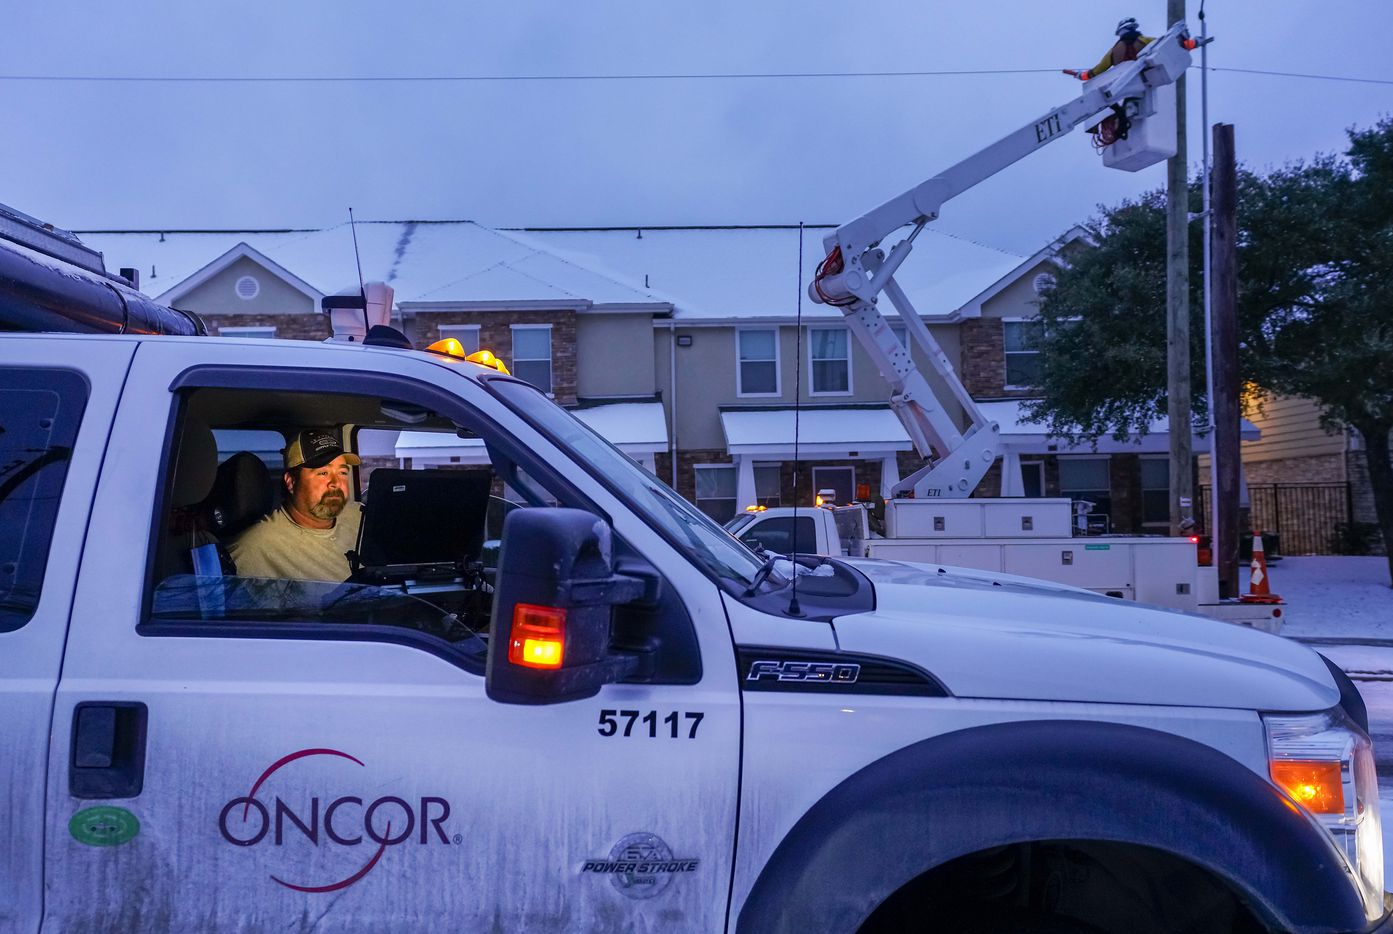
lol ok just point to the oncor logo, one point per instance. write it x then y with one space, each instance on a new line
345 821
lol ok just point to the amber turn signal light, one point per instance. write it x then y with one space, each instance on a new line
1315 785
538 636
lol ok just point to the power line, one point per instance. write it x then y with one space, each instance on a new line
442 79
692 76
1294 74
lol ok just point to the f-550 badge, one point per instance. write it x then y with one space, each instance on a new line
804 672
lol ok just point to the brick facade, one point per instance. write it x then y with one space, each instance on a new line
301 327
983 369
1320 468
1124 485
495 334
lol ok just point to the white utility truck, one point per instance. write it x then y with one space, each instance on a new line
1032 537
626 721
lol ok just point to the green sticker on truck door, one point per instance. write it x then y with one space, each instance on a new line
104 826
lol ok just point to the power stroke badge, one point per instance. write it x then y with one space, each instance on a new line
640 865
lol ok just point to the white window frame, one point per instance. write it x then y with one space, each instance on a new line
1006 354
550 388
778 368
265 331
696 487
458 331
812 371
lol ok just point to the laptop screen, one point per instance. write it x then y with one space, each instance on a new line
414 517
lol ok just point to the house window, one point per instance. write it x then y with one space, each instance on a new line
247 332
468 336
1022 338
715 490
1086 478
1155 491
532 354
768 485
830 352
758 370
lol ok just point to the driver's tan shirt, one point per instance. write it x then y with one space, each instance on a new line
279 547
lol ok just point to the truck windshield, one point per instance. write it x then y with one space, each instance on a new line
654 500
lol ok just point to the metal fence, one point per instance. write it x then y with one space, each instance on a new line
1306 516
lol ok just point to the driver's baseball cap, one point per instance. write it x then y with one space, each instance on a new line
315 447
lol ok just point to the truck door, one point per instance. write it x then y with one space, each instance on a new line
328 758
56 403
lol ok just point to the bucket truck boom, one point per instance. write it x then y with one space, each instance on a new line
856 270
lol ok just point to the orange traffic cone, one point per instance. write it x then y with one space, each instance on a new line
1259 586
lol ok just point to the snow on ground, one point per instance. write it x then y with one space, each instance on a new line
1334 596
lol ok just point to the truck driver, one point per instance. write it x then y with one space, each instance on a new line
308 536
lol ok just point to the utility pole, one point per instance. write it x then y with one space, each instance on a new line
1182 485
1224 442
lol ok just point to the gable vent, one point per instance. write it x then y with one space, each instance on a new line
1042 282
247 288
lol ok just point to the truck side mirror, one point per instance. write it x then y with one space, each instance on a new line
553 607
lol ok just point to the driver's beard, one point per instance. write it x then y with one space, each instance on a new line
328 507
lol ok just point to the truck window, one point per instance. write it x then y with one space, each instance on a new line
777 535
39 415
330 528
679 521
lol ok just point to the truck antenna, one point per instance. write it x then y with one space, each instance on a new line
358 258
793 608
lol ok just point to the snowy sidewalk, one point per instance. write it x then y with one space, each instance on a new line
1334 597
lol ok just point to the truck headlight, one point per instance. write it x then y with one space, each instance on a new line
1325 764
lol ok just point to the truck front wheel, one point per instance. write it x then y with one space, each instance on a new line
1065 887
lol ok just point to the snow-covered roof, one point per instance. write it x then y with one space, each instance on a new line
635 427
1033 437
457 261
867 430
706 274
240 251
722 273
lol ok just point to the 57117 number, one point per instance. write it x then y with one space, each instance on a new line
610 723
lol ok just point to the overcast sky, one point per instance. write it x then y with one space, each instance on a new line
110 154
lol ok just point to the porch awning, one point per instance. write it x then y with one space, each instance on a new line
639 429
869 431
1025 437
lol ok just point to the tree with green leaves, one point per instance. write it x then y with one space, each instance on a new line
1315 306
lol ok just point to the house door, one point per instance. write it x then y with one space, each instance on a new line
841 480
1033 478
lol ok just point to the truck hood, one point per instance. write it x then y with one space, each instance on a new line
1005 637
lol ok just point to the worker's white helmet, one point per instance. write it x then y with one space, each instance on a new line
1128 25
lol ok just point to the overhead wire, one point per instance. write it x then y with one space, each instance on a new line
693 76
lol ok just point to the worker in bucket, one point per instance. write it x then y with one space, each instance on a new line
1128 46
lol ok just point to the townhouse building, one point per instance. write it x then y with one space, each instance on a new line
687 346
